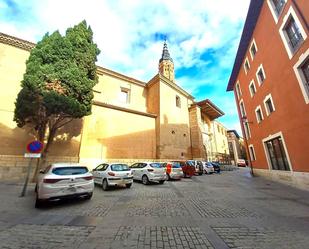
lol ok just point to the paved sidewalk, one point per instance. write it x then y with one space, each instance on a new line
227 210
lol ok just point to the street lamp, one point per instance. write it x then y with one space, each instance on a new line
245 121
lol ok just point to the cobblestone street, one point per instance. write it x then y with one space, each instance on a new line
227 210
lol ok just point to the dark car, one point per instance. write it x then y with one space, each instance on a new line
187 168
216 166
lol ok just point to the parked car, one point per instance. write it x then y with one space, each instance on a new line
241 162
187 167
216 166
113 174
63 180
198 165
173 170
208 168
148 172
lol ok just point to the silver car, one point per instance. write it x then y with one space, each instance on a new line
208 168
113 174
63 180
148 172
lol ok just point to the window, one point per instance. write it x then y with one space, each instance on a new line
276 7
253 49
305 71
269 105
276 154
242 109
120 167
252 88
301 69
252 153
260 74
68 171
124 96
292 32
247 130
238 91
178 103
259 114
246 65
278 4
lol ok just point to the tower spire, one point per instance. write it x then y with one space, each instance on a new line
165 52
166 65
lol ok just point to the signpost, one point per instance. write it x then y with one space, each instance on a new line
34 148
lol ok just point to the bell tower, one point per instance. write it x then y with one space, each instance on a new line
166 65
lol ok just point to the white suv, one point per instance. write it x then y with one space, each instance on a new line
148 172
113 174
63 180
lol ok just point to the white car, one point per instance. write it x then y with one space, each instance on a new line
208 168
63 180
113 174
173 170
148 172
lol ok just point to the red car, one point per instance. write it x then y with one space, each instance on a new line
187 168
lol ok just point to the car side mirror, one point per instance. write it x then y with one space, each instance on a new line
41 171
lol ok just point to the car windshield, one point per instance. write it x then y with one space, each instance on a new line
191 163
65 171
156 165
120 167
176 165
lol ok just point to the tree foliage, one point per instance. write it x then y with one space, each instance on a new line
57 85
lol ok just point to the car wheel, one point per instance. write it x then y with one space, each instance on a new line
105 185
161 182
145 180
128 185
200 173
184 175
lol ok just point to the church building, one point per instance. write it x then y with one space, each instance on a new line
131 120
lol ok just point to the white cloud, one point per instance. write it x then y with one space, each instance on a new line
119 26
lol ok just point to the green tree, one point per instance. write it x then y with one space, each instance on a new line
57 85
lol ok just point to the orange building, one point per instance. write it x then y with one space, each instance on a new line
270 80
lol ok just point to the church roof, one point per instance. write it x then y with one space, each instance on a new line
210 109
165 53
16 42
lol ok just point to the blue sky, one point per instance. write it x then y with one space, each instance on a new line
202 36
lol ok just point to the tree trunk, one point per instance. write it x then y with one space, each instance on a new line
41 137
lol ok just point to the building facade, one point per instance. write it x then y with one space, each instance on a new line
270 80
236 146
131 120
